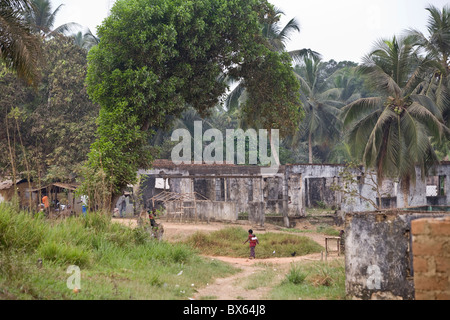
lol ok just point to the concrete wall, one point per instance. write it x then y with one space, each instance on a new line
206 211
378 255
431 251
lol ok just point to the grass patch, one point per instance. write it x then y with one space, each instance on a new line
229 242
315 280
263 278
116 262
322 228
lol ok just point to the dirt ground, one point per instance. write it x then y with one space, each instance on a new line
234 287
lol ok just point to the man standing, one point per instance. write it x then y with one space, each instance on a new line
46 205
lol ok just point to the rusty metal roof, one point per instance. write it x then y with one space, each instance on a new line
7 184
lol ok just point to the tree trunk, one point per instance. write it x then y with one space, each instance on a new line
30 202
310 148
11 156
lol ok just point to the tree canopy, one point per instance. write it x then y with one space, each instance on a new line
157 58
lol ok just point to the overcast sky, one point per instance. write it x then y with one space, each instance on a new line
338 29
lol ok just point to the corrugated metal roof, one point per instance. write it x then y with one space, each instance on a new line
7 184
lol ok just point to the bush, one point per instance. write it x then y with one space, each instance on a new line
20 230
296 275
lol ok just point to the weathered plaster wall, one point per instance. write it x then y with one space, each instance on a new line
206 211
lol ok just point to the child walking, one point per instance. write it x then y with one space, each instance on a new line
253 242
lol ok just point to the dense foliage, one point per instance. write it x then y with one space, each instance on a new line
156 59
155 66
54 123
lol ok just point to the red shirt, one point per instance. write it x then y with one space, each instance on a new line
253 240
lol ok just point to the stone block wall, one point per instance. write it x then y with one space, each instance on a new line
431 258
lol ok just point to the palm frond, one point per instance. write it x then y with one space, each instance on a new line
19 48
360 107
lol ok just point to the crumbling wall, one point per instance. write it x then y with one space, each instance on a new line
205 211
378 258
316 182
294 194
431 258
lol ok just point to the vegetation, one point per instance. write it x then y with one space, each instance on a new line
96 108
392 131
150 65
116 262
390 113
311 281
19 47
48 130
228 242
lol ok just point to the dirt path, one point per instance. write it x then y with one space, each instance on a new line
236 287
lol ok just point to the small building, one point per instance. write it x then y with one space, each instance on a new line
7 191
62 197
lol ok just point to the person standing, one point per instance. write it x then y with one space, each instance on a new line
152 217
253 240
46 203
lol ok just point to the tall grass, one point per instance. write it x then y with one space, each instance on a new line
116 262
229 242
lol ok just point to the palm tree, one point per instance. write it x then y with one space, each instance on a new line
322 123
85 40
437 46
42 18
19 48
277 37
391 132
346 85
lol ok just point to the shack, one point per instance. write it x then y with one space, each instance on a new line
7 191
62 198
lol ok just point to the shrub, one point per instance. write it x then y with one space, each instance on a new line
296 275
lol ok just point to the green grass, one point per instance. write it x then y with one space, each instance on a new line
322 228
263 278
312 281
116 262
229 242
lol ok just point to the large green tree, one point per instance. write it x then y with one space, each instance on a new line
391 131
155 58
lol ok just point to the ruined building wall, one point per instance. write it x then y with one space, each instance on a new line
293 189
431 250
379 254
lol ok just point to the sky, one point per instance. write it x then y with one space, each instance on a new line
337 29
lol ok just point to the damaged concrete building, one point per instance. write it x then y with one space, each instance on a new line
223 191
